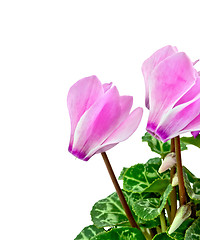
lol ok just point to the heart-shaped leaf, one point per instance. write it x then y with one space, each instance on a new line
145 177
151 208
192 178
190 191
109 212
193 232
88 232
121 176
122 233
158 146
191 140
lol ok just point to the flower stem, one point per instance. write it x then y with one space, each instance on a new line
119 191
173 197
158 230
146 234
163 222
182 193
172 145
167 207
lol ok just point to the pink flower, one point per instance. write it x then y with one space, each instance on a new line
100 117
172 94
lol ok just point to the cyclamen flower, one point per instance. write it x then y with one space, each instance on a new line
172 94
100 117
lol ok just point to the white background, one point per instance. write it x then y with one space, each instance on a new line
45 47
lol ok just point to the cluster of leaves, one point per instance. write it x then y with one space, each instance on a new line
148 195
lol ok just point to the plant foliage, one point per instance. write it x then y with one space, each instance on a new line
148 195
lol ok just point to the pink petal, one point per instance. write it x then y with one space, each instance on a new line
195 133
177 119
192 93
103 148
80 98
195 62
126 103
127 128
123 132
97 123
170 80
194 125
149 65
107 86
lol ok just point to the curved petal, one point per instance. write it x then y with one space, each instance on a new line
104 148
192 93
127 128
194 125
123 132
195 62
126 103
170 80
177 119
81 96
107 86
149 65
97 123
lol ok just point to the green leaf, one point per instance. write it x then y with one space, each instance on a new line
151 208
153 143
159 185
147 224
191 193
183 146
109 212
162 236
121 176
193 232
180 232
192 178
196 187
158 146
145 177
191 140
88 232
122 233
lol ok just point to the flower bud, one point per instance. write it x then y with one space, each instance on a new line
182 214
175 180
169 162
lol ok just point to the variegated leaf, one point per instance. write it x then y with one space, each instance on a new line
88 232
109 212
151 208
193 232
127 233
145 177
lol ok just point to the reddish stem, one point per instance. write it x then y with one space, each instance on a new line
119 191
182 193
